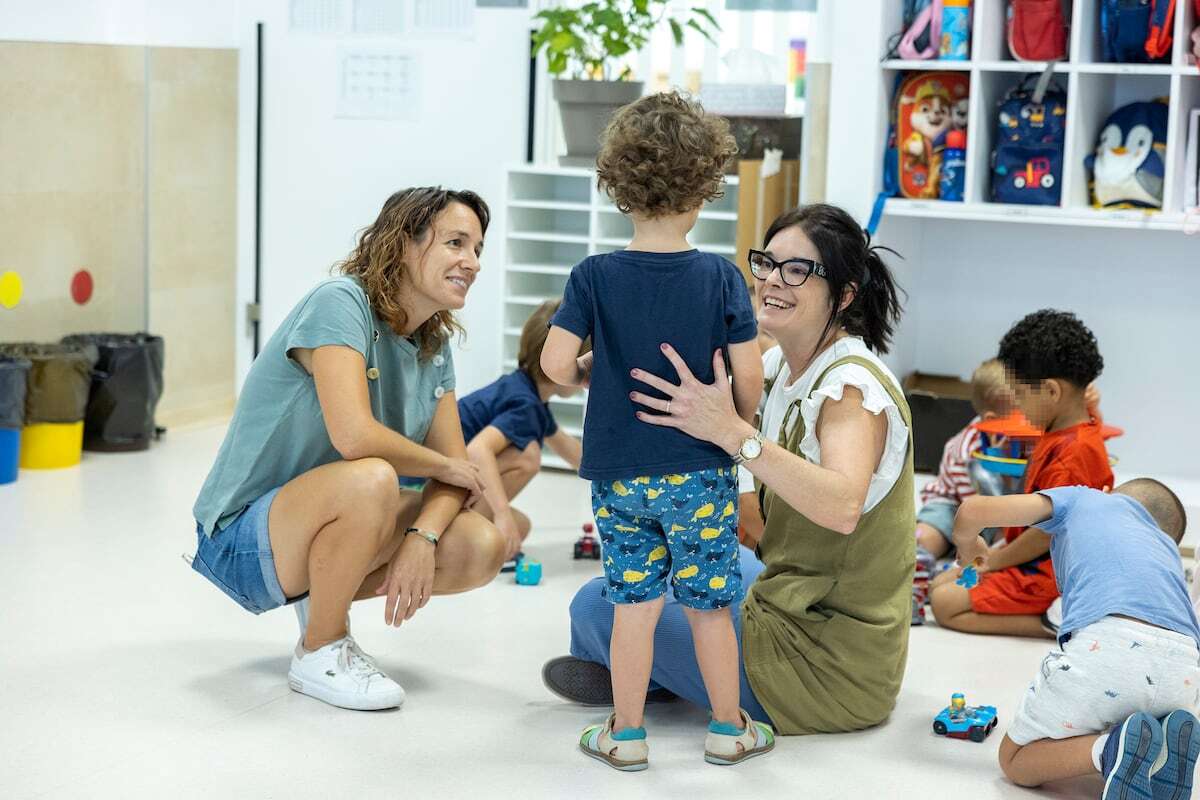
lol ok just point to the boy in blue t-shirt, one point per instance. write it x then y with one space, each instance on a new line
508 422
665 503
1127 661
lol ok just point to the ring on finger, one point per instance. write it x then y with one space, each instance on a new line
668 406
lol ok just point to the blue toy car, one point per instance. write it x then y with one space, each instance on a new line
961 721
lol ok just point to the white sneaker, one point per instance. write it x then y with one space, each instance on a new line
341 674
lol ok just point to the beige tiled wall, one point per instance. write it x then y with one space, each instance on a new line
192 226
72 185
76 137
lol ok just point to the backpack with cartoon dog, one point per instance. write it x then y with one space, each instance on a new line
928 106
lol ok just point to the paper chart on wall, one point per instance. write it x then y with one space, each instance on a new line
444 17
379 17
317 16
377 84
382 18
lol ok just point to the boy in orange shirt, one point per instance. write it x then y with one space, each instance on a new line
1051 358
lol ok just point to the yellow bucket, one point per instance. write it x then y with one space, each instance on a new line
51 445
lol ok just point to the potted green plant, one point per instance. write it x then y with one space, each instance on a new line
584 46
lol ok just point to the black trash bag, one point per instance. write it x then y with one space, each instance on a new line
14 376
126 387
60 378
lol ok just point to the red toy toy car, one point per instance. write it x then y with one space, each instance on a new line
1037 173
587 546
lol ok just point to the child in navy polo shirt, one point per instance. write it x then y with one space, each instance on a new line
665 503
508 422
1118 694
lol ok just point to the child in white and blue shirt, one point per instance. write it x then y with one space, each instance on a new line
1118 694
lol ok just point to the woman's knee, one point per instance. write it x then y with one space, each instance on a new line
370 485
479 552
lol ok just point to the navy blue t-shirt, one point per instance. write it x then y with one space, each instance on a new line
511 404
629 302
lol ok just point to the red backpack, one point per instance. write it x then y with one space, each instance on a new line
1037 30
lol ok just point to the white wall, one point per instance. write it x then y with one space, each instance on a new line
324 178
160 23
1136 290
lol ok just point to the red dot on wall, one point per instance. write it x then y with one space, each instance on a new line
81 287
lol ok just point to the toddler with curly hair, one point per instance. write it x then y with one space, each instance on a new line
1051 357
665 503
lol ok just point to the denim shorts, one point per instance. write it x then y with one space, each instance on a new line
239 561
939 515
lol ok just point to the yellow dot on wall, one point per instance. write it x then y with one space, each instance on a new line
10 289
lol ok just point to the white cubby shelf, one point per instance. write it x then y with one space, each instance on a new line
556 218
1094 90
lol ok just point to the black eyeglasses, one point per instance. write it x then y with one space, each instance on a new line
793 271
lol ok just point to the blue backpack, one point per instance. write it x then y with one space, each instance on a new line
1027 164
1131 29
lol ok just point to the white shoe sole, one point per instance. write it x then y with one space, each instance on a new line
354 702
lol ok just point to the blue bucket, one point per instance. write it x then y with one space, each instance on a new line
10 450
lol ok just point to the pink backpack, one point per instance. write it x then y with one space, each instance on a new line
930 17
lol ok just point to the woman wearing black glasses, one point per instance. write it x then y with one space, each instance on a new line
824 624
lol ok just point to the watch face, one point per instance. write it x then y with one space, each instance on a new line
751 448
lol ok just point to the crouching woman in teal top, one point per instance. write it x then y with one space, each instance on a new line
356 388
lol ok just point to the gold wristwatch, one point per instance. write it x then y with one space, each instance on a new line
751 448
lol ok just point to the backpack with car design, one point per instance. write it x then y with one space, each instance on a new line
1027 164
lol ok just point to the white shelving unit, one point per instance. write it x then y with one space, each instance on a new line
556 218
1094 90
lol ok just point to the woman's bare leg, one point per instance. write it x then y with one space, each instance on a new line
339 524
469 554
327 526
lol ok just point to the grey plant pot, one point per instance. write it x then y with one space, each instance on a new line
585 107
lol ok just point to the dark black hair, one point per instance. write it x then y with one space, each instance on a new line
1051 344
849 258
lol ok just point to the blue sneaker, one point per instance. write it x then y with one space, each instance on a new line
1171 775
1130 752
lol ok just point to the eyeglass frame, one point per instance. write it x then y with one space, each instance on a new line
815 267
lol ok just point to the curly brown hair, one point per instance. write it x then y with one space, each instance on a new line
378 259
663 155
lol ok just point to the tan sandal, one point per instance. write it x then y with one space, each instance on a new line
625 750
725 745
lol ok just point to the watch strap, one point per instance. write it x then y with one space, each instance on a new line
428 536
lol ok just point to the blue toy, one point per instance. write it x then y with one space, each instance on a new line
529 572
961 721
970 575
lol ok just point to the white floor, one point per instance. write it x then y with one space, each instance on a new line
125 674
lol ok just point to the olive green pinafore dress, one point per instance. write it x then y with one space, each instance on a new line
825 626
